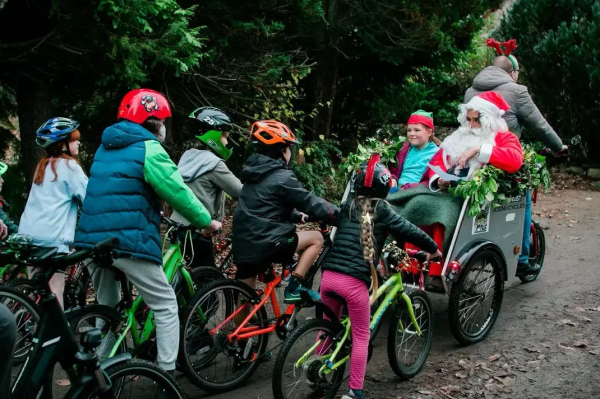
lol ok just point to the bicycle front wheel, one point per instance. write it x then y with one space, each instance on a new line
297 369
136 379
407 349
206 354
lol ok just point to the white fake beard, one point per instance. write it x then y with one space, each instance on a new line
463 139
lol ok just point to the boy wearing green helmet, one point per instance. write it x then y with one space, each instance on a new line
11 226
205 173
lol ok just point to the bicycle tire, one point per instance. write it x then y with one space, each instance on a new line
204 275
456 303
280 368
539 259
110 326
137 368
420 301
231 289
27 316
24 285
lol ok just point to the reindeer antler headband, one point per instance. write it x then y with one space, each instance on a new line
509 46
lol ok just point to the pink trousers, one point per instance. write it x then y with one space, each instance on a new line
356 295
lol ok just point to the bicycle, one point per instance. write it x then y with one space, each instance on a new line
208 328
131 317
54 342
319 365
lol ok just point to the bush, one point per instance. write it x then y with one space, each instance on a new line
558 48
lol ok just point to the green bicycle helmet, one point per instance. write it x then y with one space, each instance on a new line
208 124
3 168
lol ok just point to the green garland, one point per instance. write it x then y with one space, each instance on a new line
387 149
493 185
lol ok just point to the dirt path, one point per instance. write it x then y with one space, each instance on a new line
546 335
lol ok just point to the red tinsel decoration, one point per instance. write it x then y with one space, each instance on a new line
495 45
509 46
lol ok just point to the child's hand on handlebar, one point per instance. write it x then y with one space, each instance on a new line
304 217
214 226
436 255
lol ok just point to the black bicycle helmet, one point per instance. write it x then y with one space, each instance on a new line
373 179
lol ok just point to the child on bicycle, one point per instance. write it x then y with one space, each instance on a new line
205 173
348 269
263 228
58 190
130 174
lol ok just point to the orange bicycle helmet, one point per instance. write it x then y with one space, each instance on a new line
268 133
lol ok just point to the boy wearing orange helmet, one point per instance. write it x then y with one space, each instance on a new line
131 172
271 200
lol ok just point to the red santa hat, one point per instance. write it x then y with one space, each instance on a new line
490 102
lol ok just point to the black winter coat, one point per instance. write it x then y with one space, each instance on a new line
347 255
264 214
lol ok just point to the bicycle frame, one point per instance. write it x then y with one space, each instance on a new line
243 332
53 342
393 286
172 263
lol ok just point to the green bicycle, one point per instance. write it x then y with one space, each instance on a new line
313 359
131 317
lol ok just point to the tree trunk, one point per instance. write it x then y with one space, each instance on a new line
34 107
325 84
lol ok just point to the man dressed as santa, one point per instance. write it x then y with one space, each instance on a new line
482 138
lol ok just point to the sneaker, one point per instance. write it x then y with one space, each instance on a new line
525 269
435 284
354 394
295 297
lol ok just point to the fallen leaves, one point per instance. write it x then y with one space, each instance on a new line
495 357
568 322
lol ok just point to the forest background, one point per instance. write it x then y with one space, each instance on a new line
336 71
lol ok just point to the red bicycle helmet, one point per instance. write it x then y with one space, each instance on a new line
272 132
140 104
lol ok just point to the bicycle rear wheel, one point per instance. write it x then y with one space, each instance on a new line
27 315
108 321
538 258
137 379
407 351
476 298
206 355
296 371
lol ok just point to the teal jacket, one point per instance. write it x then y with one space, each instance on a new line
131 172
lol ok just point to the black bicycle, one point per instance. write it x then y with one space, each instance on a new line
54 342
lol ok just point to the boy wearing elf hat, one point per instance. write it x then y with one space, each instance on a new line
412 159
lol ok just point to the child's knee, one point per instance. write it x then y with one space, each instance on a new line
318 240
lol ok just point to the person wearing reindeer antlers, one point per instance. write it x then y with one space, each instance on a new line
502 77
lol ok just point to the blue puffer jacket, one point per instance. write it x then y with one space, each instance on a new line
130 173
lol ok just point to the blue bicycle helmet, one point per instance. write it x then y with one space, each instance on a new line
55 130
